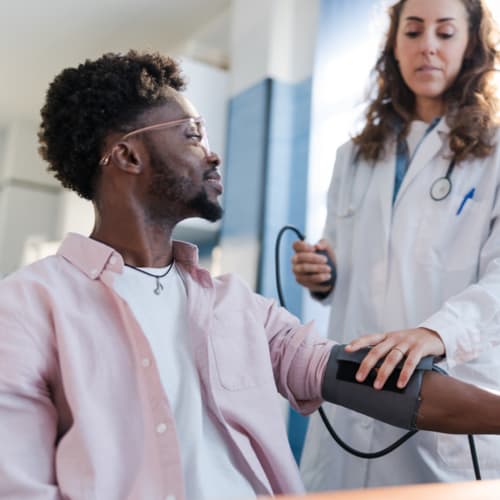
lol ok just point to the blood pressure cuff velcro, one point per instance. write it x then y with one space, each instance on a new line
392 405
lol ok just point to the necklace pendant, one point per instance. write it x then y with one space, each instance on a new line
159 287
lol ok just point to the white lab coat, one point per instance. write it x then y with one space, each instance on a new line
413 264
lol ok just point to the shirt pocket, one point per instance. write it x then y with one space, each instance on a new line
241 352
449 237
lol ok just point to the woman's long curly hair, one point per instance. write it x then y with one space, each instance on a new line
84 104
471 102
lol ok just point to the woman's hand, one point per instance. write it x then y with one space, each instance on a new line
408 345
310 269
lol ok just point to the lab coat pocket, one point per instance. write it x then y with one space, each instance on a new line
241 351
451 233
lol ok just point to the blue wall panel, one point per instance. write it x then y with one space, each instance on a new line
246 161
285 184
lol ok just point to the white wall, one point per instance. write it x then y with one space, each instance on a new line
28 194
271 39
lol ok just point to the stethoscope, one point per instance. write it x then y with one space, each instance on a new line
441 187
439 191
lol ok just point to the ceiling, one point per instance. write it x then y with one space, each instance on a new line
38 39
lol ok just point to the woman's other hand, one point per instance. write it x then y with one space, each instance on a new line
310 268
409 346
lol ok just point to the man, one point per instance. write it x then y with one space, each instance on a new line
128 372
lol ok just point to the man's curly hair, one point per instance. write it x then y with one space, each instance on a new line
86 103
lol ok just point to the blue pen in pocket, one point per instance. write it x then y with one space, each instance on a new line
468 196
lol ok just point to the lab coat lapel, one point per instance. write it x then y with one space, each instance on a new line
428 150
384 183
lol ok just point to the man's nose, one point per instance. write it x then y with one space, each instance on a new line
213 158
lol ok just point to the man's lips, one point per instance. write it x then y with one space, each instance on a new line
215 180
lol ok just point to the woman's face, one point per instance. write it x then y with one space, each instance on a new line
431 41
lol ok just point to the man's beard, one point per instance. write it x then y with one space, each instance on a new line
167 185
206 208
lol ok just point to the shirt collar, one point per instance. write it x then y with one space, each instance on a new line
92 257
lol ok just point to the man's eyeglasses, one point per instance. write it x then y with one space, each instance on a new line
195 127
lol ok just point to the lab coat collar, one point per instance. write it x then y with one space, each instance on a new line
432 145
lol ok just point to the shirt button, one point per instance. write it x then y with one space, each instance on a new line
112 260
146 362
161 428
94 273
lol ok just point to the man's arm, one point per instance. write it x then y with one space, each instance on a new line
451 406
28 418
302 361
430 401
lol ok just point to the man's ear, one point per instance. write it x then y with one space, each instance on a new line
127 157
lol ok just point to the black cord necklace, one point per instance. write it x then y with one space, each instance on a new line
159 286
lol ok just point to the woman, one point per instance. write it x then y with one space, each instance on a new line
413 227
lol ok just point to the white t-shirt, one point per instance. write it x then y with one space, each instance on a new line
209 470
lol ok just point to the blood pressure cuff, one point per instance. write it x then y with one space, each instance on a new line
392 405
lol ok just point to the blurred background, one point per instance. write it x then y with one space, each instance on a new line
281 84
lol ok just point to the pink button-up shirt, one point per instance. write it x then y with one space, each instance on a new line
83 413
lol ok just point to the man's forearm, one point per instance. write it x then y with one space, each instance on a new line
431 401
455 407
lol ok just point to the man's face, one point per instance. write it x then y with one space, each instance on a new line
183 180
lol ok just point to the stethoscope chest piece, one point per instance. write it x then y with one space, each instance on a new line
440 188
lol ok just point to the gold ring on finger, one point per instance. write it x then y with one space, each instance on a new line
398 349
